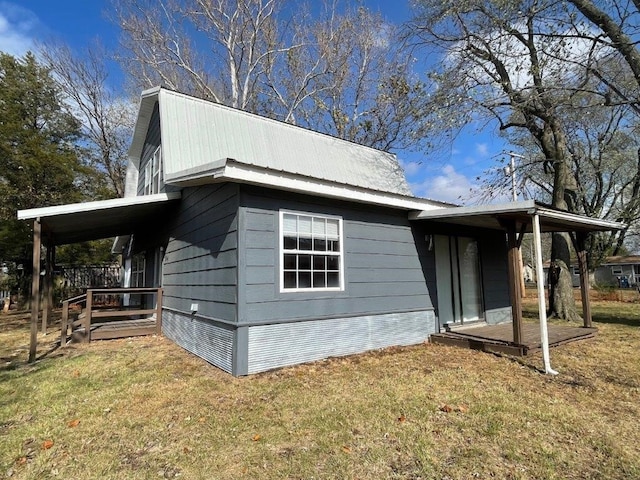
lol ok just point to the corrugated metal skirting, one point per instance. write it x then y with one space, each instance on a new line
204 338
279 345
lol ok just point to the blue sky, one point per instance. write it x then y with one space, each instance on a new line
445 176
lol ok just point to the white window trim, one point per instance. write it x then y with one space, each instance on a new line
340 253
617 270
138 270
153 180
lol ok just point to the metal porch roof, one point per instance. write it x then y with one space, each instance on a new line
78 222
496 217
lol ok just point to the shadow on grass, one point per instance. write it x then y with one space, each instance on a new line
613 318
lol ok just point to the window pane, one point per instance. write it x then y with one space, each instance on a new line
290 243
305 244
319 262
289 223
289 279
319 280
334 246
319 226
332 228
319 244
333 263
304 226
290 262
304 262
333 279
304 280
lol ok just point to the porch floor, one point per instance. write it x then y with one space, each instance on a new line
499 338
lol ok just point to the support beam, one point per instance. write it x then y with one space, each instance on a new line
48 287
514 284
35 289
584 280
542 305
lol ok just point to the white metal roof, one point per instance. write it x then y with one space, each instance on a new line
494 217
77 222
196 133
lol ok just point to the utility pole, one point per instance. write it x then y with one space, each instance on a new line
512 171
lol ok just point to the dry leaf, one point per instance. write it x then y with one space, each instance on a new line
256 437
74 423
462 409
47 444
402 418
346 449
446 408
76 373
21 460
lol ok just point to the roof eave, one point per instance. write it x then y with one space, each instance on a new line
231 170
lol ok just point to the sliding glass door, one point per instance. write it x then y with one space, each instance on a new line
458 279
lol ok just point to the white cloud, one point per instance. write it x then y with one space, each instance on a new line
410 168
482 149
18 29
448 185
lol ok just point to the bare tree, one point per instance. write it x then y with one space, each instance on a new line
339 73
106 118
512 63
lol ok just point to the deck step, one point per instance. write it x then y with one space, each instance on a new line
476 343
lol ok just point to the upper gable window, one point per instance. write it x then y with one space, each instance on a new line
311 252
153 173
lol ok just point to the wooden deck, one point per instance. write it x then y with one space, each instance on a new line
89 319
499 338
116 329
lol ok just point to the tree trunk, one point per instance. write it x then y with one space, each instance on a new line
561 301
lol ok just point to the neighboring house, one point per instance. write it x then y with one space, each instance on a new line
277 245
620 271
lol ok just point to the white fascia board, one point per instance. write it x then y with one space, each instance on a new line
526 205
197 175
286 181
93 206
572 217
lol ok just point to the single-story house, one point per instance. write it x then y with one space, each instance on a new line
621 271
276 245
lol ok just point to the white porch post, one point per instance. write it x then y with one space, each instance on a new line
542 306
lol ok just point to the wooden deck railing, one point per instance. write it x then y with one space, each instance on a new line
94 309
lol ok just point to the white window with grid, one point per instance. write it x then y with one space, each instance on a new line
153 173
311 252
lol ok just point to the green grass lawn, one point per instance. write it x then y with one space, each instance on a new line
145 408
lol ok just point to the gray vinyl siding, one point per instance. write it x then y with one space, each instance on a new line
279 345
200 262
383 268
205 338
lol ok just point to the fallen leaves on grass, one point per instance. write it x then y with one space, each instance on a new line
448 408
73 423
402 418
256 437
47 444
346 449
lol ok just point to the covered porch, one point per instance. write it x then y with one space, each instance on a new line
515 219
65 224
